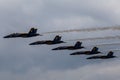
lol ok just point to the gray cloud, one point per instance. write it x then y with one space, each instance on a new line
19 61
108 70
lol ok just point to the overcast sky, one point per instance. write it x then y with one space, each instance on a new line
19 61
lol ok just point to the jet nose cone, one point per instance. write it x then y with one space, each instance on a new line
32 44
5 36
54 49
88 58
71 54
74 53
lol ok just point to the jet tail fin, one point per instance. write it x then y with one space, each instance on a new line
94 50
78 44
33 31
57 38
110 54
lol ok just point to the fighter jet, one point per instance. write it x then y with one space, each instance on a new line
31 33
56 40
76 46
93 51
109 55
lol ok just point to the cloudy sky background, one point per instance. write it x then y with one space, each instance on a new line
19 61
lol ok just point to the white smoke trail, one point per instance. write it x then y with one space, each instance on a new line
86 30
106 44
113 50
96 38
101 44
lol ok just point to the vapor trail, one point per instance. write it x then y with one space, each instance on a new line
108 44
86 30
97 38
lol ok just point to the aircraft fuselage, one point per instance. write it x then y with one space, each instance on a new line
23 35
84 52
67 47
48 42
100 57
